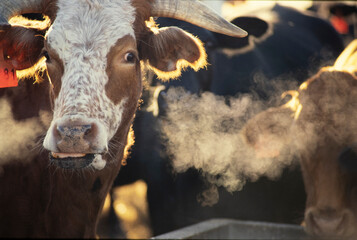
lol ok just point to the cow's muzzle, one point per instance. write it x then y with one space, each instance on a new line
75 138
76 144
330 223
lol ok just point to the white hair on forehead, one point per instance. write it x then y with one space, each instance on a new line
88 25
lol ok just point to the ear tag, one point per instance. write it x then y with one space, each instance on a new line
8 76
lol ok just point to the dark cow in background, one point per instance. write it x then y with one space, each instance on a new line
341 14
291 47
319 125
82 111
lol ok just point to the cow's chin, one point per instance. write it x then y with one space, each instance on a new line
77 160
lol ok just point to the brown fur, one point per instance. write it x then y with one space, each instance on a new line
330 191
171 49
327 105
37 200
21 46
329 109
50 8
143 13
124 78
167 50
325 126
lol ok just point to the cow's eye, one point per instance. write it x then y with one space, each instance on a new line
46 55
129 57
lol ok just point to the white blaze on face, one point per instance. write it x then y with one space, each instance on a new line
82 35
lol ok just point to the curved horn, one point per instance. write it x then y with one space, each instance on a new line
195 12
10 8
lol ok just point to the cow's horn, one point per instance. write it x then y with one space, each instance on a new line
10 8
195 12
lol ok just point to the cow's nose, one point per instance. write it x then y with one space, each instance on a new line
329 222
71 134
74 131
74 138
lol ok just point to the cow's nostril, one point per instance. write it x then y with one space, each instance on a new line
60 130
74 131
88 131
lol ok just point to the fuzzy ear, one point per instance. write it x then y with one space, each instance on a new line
21 46
170 49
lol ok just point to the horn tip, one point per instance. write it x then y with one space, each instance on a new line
243 33
240 33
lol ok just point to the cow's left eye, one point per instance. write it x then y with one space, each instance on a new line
46 55
129 57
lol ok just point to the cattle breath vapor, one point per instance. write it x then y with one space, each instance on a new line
18 138
203 132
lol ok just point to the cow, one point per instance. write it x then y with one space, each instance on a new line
63 138
235 65
318 125
342 16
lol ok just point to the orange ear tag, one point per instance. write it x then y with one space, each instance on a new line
8 76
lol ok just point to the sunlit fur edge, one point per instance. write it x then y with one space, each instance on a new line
37 71
182 64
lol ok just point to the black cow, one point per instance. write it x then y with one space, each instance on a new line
341 14
293 46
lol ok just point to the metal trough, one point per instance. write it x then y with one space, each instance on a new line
236 229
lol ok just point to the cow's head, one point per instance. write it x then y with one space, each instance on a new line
319 124
93 51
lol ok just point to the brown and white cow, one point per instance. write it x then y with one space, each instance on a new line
94 50
318 124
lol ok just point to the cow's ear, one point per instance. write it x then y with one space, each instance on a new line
269 132
170 49
21 46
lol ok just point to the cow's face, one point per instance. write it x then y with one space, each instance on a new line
325 128
331 209
317 126
93 64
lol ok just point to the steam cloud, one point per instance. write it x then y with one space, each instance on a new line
17 138
203 132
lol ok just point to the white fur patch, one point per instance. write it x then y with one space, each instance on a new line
98 162
82 35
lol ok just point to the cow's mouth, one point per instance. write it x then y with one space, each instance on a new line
77 160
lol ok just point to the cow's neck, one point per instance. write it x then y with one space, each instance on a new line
45 201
